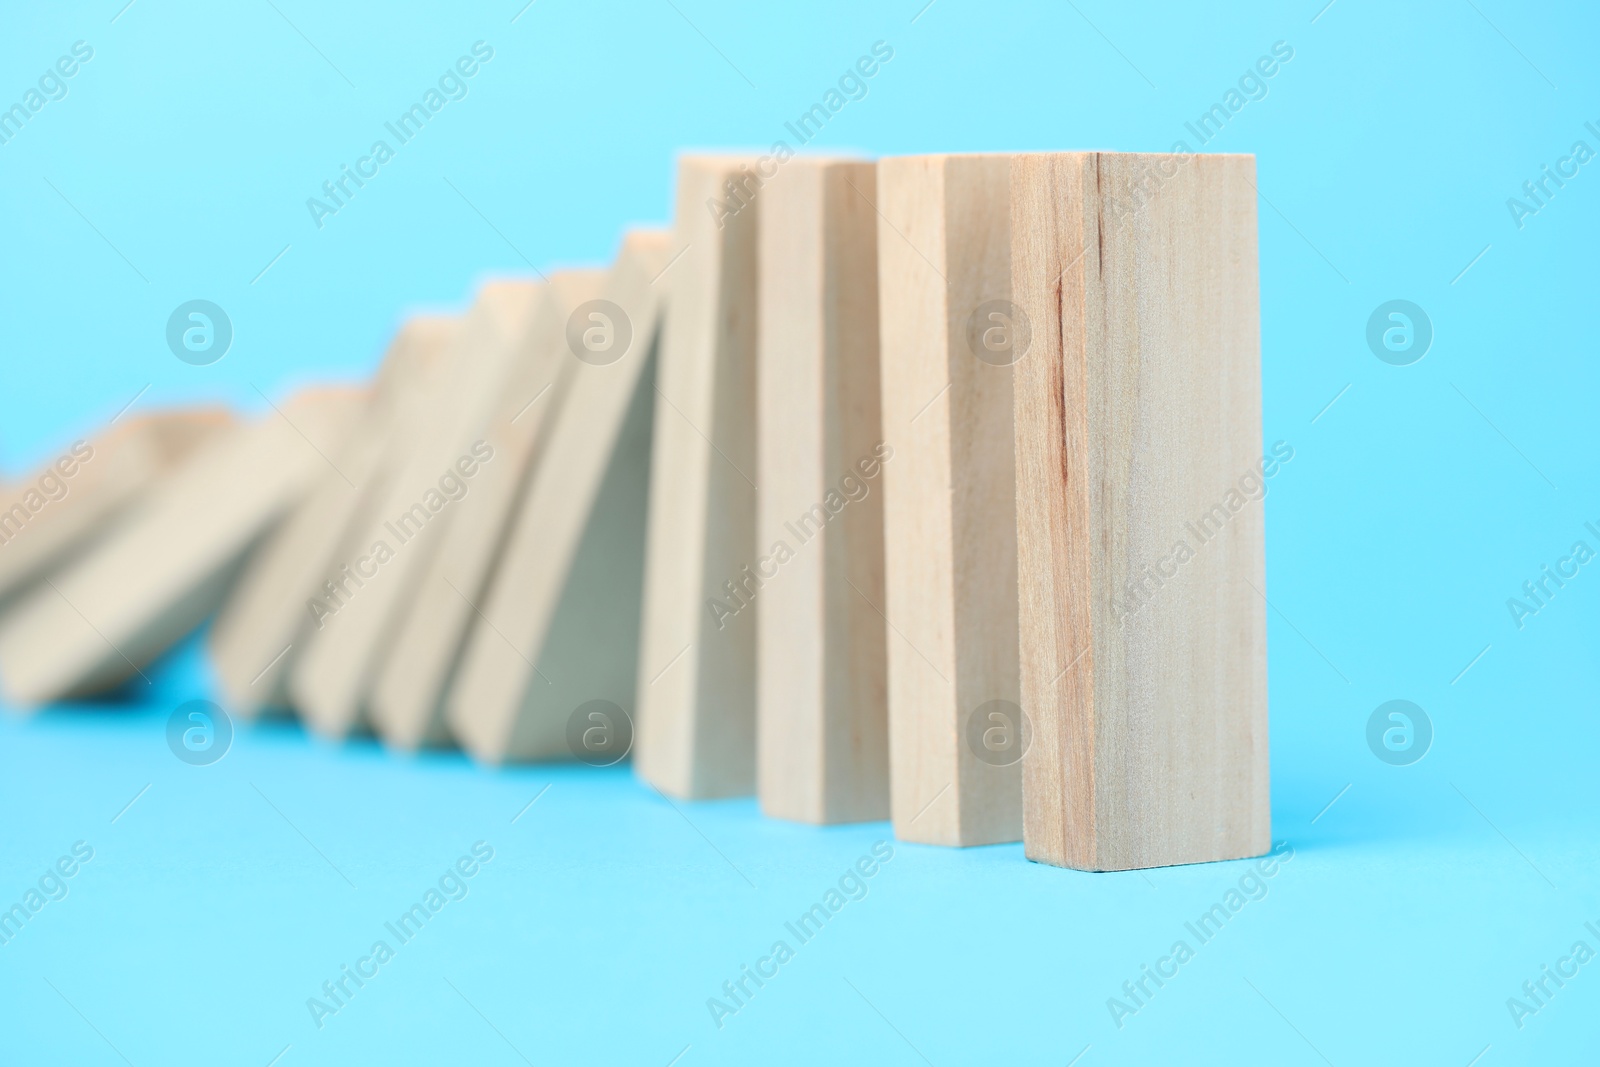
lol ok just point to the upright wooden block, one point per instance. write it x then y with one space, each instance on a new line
408 696
1138 452
560 622
955 730
331 683
73 500
818 590
697 686
268 622
168 565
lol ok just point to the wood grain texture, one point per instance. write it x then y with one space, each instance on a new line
168 565
1138 445
408 696
817 589
697 690
72 501
560 618
331 683
266 624
949 507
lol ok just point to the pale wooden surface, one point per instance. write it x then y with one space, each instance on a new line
817 591
560 621
330 684
1138 409
167 566
107 474
949 524
697 691
408 696
266 623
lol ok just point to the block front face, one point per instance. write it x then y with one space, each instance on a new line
822 733
1140 481
949 518
697 687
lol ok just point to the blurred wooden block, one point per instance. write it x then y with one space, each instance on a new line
697 686
1138 415
408 696
818 591
955 735
330 684
168 564
560 619
70 502
267 623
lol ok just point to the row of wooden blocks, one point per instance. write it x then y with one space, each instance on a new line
869 489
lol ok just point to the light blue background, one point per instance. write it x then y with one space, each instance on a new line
1414 507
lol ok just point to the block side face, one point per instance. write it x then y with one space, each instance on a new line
587 648
918 579
1058 654
979 357
1176 526
855 733
794 423
723 724
681 458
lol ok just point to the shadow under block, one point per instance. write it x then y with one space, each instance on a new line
822 685
1138 436
76 499
949 507
697 684
560 623
168 564
408 696
267 621
330 684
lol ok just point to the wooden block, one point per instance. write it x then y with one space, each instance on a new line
697 691
1138 439
560 619
408 696
955 739
266 623
818 590
168 564
330 684
70 502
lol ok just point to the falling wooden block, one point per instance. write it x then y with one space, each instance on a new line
1138 416
956 734
697 687
164 568
408 696
267 622
70 502
330 684
559 627
818 589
